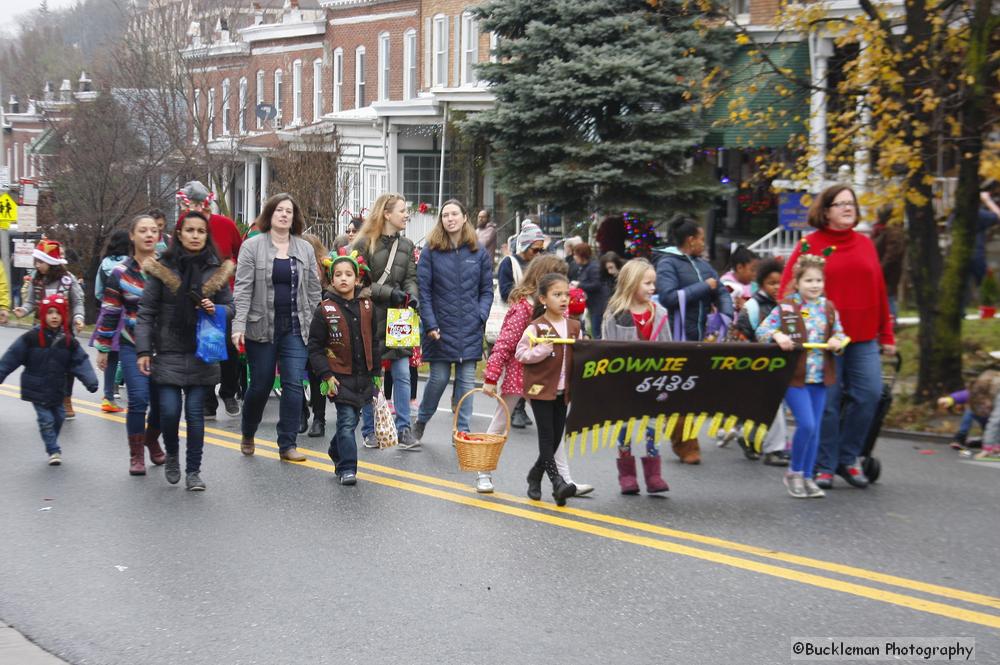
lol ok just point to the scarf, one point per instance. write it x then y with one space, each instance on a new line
191 268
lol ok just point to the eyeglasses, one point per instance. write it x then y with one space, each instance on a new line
842 204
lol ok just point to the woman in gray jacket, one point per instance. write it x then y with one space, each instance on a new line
189 277
277 290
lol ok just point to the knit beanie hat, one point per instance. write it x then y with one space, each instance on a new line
59 304
194 192
49 251
530 234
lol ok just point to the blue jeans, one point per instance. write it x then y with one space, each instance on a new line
400 370
288 351
806 403
141 394
465 377
109 375
194 415
859 386
50 422
968 417
343 446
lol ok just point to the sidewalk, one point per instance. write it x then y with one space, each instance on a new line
15 649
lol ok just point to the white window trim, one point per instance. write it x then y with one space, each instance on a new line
297 92
384 54
226 90
470 47
196 116
439 51
338 80
359 77
317 88
409 64
211 114
242 125
260 96
277 95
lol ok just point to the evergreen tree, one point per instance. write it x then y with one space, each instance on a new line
597 101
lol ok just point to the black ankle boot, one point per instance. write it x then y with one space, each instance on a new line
535 483
561 490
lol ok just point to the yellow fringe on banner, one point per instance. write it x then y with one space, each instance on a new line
748 426
758 439
672 423
596 441
641 432
616 432
572 442
730 424
658 427
605 431
630 431
700 422
713 427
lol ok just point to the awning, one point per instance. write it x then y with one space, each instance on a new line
754 79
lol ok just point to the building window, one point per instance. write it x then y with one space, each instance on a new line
739 7
197 115
338 80
260 97
470 47
375 185
420 178
359 78
277 97
211 114
439 41
297 92
243 106
350 188
225 107
383 67
409 64
317 89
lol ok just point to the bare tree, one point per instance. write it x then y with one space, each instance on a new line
308 170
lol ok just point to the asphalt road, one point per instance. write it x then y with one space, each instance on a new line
276 563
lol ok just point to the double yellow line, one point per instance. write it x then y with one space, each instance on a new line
716 550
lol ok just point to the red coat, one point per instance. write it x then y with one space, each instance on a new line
501 360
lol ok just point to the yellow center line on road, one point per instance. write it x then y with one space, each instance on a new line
561 519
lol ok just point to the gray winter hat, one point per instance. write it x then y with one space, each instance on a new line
195 191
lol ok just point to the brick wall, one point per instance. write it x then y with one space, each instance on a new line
452 11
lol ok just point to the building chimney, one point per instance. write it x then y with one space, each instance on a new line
84 84
47 94
65 91
258 14
13 106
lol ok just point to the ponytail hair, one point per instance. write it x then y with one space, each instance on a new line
681 228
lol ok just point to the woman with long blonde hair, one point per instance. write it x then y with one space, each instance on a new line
393 273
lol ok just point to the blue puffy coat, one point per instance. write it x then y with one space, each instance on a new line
456 292
43 380
676 271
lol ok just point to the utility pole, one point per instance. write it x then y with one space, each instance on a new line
5 233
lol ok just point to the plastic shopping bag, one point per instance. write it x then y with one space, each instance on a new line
211 336
402 328
385 422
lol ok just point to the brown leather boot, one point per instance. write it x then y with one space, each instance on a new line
652 469
626 475
156 454
247 445
688 451
291 455
68 408
137 454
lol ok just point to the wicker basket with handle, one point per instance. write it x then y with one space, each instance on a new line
479 452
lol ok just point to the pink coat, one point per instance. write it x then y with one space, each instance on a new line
515 322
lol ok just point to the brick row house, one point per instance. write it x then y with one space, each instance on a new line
381 74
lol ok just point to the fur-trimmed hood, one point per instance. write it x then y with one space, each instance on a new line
172 280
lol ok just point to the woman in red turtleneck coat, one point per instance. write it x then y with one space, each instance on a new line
855 284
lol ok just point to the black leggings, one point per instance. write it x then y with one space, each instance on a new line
550 419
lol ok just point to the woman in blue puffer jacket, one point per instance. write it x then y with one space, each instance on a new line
681 268
455 278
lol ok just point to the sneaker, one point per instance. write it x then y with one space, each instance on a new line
812 489
519 419
347 478
724 438
583 489
172 469
853 474
109 406
232 406
210 415
775 459
370 441
795 485
407 441
988 454
418 430
484 483
194 482
824 481
55 459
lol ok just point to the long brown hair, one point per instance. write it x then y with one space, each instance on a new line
375 222
438 238
319 249
539 266
263 221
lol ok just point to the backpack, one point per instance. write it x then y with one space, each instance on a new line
983 392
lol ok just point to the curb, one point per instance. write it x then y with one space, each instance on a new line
16 648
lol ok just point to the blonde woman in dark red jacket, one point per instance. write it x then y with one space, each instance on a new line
855 284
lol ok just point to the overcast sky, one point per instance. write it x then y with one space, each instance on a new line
11 9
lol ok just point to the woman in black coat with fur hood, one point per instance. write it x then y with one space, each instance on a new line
187 278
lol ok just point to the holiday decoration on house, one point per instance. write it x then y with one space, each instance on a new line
640 235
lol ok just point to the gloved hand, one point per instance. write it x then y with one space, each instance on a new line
397 298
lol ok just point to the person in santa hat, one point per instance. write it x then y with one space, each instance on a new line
52 279
48 352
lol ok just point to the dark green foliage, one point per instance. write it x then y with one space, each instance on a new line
596 102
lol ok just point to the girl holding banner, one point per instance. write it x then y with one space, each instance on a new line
806 317
634 314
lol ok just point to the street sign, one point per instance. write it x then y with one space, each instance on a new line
266 112
27 219
29 192
8 211
23 257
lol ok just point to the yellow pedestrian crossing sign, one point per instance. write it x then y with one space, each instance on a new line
8 211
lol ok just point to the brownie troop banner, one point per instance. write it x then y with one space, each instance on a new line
631 386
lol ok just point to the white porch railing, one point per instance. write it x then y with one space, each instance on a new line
777 243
